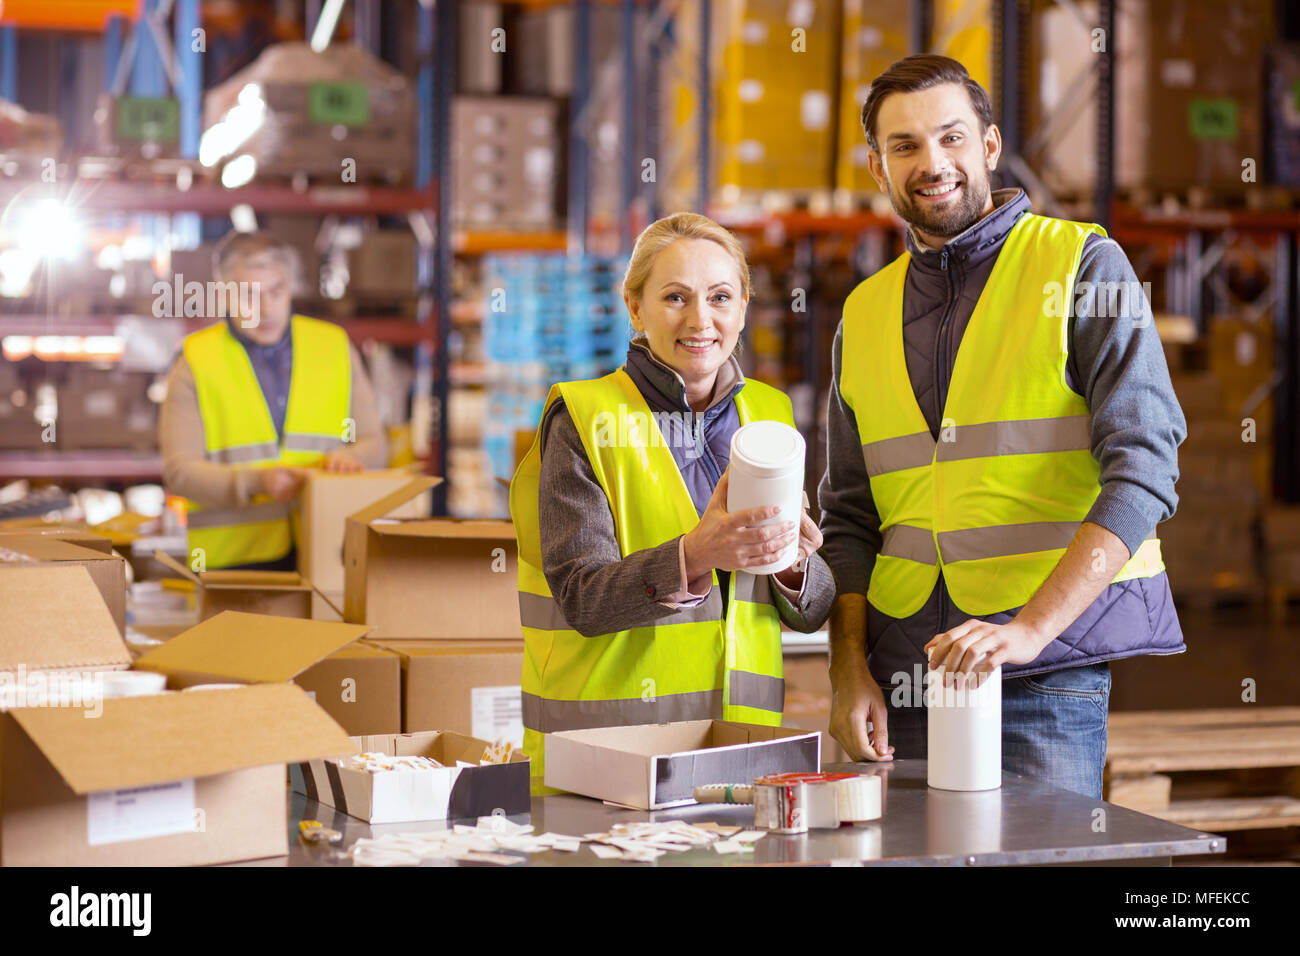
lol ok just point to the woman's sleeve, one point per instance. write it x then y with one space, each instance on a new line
807 610
598 591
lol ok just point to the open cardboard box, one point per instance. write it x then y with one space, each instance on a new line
430 577
163 780
55 621
281 593
358 686
166 780
470 687
108 571
323 507
652 766
405 796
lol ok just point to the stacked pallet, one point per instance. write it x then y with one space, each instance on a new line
1216 770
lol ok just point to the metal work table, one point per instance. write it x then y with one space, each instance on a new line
1025 822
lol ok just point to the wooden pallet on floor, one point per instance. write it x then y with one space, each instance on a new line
1217 770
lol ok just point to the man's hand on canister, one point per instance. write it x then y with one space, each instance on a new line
729 542
977 647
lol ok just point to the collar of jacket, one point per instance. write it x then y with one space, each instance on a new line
664 389
978 241
248 343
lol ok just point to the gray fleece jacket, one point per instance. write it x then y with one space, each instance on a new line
1115 363
598 589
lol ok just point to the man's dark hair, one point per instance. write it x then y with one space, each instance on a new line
921 71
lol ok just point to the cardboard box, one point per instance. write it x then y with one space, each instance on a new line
360 686
470 687
108 571
430 577
1205 90
874 35
165 780
246 648
652 766
324 505
83 539
384 263
281 593
508 155
405 796
55 618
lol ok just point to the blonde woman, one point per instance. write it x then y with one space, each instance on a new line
633 607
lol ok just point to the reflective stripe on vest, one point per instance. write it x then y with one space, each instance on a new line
238 430
685 664
993 503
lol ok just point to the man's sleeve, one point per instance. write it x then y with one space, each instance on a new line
850 525
1118 366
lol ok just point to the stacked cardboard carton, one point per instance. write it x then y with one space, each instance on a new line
1204 90
1283 114
874 36
1225 462
1281 540
440 594
775 99
507 161
341 115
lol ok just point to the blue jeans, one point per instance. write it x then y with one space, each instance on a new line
1053 726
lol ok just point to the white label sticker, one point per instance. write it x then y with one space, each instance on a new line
497 712
114 816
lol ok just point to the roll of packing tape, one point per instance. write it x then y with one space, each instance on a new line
793 802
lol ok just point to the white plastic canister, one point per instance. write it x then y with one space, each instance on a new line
767 469
964 733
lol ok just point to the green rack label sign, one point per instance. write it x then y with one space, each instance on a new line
347 104
148 119
1213 119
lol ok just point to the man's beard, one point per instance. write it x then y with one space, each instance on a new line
956 216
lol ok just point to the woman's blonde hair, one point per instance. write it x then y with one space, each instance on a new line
662 232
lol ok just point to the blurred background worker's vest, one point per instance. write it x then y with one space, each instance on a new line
997 499
691 664
238 430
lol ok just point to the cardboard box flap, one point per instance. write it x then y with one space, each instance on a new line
19 549
390 501
488 529
259 580
84 539
165 559
55 617
253 648
138 741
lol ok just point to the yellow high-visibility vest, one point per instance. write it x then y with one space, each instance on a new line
238 430
993 503
691 664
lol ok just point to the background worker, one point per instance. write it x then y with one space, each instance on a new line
997 464
252 402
